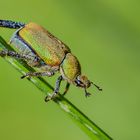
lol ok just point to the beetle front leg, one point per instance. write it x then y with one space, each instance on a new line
56 89
87 94
66 88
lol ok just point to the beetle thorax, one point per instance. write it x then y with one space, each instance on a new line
70 68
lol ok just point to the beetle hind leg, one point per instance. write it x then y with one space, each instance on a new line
11 24
16 55
13 54
38 74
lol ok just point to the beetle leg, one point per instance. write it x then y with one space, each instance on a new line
16 55
31 60
4 53
87 94
37 74
46 67
57 84
56 89
11 24
66 88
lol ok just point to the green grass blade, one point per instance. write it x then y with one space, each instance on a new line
90 128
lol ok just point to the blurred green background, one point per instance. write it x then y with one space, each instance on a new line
105 36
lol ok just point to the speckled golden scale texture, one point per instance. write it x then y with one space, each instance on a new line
47 47
71 67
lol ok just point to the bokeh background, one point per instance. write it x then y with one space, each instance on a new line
105 36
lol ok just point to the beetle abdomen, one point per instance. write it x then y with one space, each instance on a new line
47 47
21 46
70 68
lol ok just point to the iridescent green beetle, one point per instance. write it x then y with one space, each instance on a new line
39 48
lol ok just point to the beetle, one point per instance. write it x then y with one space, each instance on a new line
40 49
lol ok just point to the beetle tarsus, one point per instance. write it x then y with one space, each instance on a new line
15 55
87 94
6 52
50 97
2 53
22 77
37 74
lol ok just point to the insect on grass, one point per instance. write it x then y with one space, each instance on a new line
40 49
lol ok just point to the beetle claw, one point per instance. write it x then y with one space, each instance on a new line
50 97
25 76
47 98
87 94
22 77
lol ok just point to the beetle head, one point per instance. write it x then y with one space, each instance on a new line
83 82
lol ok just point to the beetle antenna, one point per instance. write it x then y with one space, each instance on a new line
96 86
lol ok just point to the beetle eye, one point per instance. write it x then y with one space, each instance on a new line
79 83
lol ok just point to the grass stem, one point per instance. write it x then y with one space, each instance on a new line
88 126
